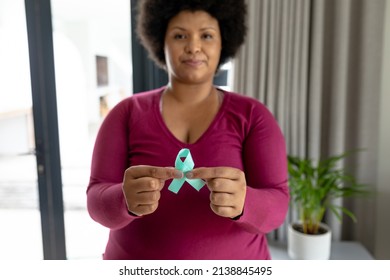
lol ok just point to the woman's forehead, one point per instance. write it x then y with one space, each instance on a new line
188 19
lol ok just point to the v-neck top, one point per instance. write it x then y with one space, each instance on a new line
242 135
174 138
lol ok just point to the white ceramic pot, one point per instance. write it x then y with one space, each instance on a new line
302 246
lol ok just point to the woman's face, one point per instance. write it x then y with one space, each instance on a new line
192 47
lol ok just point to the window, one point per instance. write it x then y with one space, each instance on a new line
92 57
19 207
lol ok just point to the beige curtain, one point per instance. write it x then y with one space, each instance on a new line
316 64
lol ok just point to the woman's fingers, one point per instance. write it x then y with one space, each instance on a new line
142 185
227 187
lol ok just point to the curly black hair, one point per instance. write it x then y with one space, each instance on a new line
154 15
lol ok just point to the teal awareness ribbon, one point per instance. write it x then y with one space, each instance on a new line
185 166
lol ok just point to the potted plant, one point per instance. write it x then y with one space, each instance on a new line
313 188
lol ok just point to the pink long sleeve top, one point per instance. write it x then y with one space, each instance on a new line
243 135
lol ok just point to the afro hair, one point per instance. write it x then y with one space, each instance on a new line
154 15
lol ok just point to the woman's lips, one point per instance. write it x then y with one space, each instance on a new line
193 62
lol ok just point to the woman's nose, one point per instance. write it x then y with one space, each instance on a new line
193 45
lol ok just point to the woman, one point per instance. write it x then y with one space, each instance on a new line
236 145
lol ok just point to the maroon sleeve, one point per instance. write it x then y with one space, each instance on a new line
265 163
105 200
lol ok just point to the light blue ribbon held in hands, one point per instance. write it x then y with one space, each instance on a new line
185 166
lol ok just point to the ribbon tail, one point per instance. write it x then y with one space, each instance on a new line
176 185
197 184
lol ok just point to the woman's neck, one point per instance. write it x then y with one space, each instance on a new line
190 94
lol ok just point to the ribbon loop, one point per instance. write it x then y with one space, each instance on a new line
185 163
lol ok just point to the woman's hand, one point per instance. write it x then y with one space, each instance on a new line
227 186
142 185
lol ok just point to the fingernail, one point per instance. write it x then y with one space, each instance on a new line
189 175
178 174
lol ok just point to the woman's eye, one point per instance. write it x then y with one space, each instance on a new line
207 36
179 36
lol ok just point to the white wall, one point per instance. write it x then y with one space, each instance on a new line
82 30
15 86
382 242
15 131
98 27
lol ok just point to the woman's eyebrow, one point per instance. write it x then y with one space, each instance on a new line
201 29
177 27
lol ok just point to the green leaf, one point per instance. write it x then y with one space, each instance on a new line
315 184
